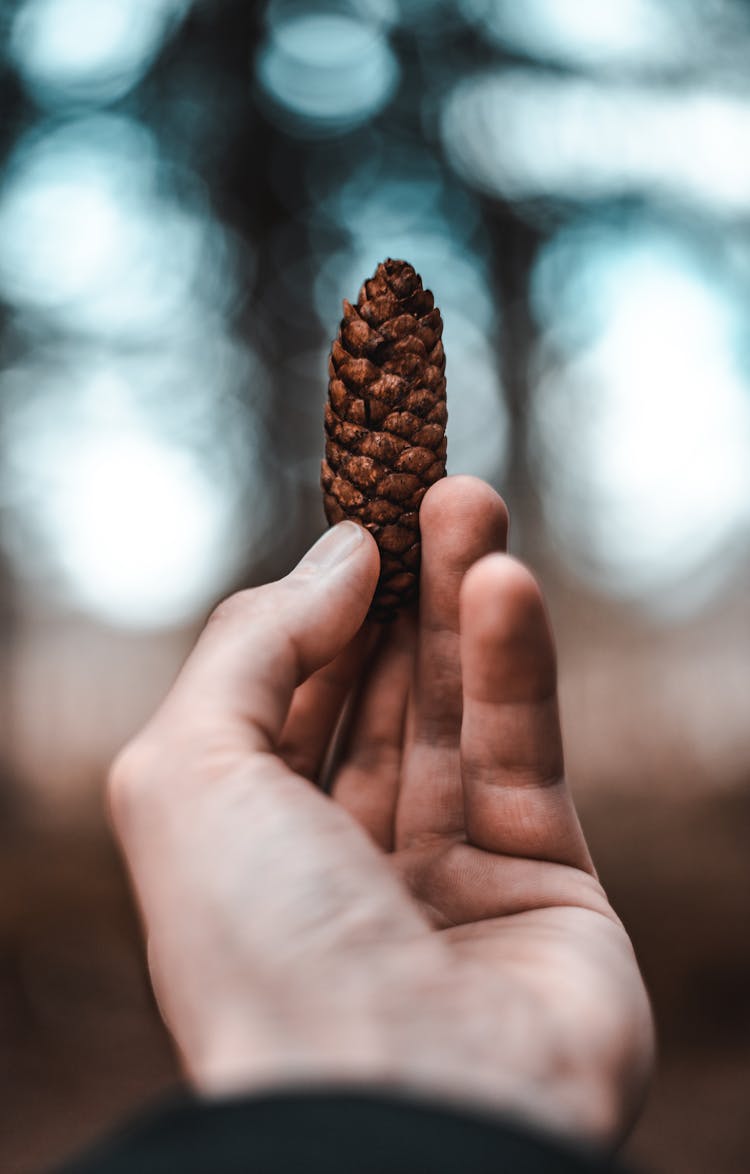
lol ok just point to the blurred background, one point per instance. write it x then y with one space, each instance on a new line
187 190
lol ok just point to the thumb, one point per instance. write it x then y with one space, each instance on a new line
260 644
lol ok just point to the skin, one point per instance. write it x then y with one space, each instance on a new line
433 921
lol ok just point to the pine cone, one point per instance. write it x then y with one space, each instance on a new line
385 422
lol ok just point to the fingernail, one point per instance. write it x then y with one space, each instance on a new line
335 545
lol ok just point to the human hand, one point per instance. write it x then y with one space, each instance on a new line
435 923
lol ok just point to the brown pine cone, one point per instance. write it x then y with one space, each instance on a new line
385 422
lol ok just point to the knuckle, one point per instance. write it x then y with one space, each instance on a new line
594 897
129 781
248 604
234 607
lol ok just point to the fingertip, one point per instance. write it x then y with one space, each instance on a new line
454 504
505 628
336 545
346 549
498 576
367 556
348 584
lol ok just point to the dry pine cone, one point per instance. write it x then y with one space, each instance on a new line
385 422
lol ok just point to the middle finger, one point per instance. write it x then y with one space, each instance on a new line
461 520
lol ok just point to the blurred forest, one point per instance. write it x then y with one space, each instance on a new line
188 188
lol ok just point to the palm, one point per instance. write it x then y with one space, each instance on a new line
452 762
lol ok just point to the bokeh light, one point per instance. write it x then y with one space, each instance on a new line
324 71
123 482
619 34
521 134
87 50
89 236
641 416
398 190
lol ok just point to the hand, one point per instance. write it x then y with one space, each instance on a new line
435 923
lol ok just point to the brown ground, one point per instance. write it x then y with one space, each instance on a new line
85 1044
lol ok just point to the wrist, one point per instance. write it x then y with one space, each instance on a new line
236 1058
402 1036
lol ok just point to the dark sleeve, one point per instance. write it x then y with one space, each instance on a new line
330 1132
